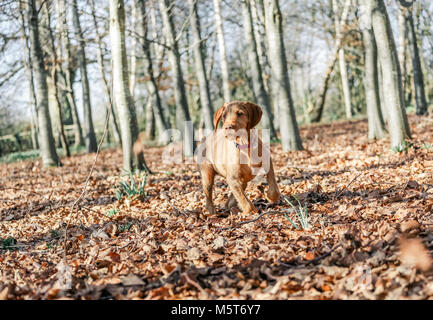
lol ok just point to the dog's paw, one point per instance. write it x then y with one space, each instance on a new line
250 209
211 209
273 196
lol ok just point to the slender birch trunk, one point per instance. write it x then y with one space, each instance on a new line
260 93
182 112
205 101
222 51
280 84
316 113
55 84
46 140
381 93
257 20
402 45
157 51
342 62
100 58
418 77
69 89
133 72
376 126
29 75
90 137
387 53
150 120
121 91
156 113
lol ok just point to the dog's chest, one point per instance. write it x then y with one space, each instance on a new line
230 161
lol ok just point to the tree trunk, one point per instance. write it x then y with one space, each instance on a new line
222 50
342 62
29 74
205 100
418 77
280 84
316 113
46 139
121 92
402 44
133 72
376 126
70 94
260 93
55 86
154 98
90 138
150 120
387 53
100 59
157 51
257 20
182 113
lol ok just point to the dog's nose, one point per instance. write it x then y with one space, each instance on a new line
229 127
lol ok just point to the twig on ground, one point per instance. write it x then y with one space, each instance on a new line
197 285
252 220
86 183
345 188
323 255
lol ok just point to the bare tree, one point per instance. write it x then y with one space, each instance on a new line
418 77
55 82
67 70
342 62
280 84
391 75
222 51
100 58
29 74
316 113
205 101
260 93
133 66
121 92
90 138
46 139
258 20
402 45
154 110
376 126
182 112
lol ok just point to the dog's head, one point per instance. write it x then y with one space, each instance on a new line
237 115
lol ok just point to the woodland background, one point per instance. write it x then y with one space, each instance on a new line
346 87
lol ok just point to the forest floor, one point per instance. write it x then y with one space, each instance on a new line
370 232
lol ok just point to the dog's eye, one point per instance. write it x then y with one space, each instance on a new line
239 113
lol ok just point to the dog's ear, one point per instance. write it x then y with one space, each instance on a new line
254 114
218 115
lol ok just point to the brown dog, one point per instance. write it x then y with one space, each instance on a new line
237 154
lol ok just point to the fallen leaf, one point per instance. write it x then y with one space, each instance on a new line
309 256
132 280
409 225
194 254
115 257
414 253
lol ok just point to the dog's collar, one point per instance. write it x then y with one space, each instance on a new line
244 146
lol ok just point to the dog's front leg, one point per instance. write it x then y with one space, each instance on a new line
238 190
207 178
273 193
